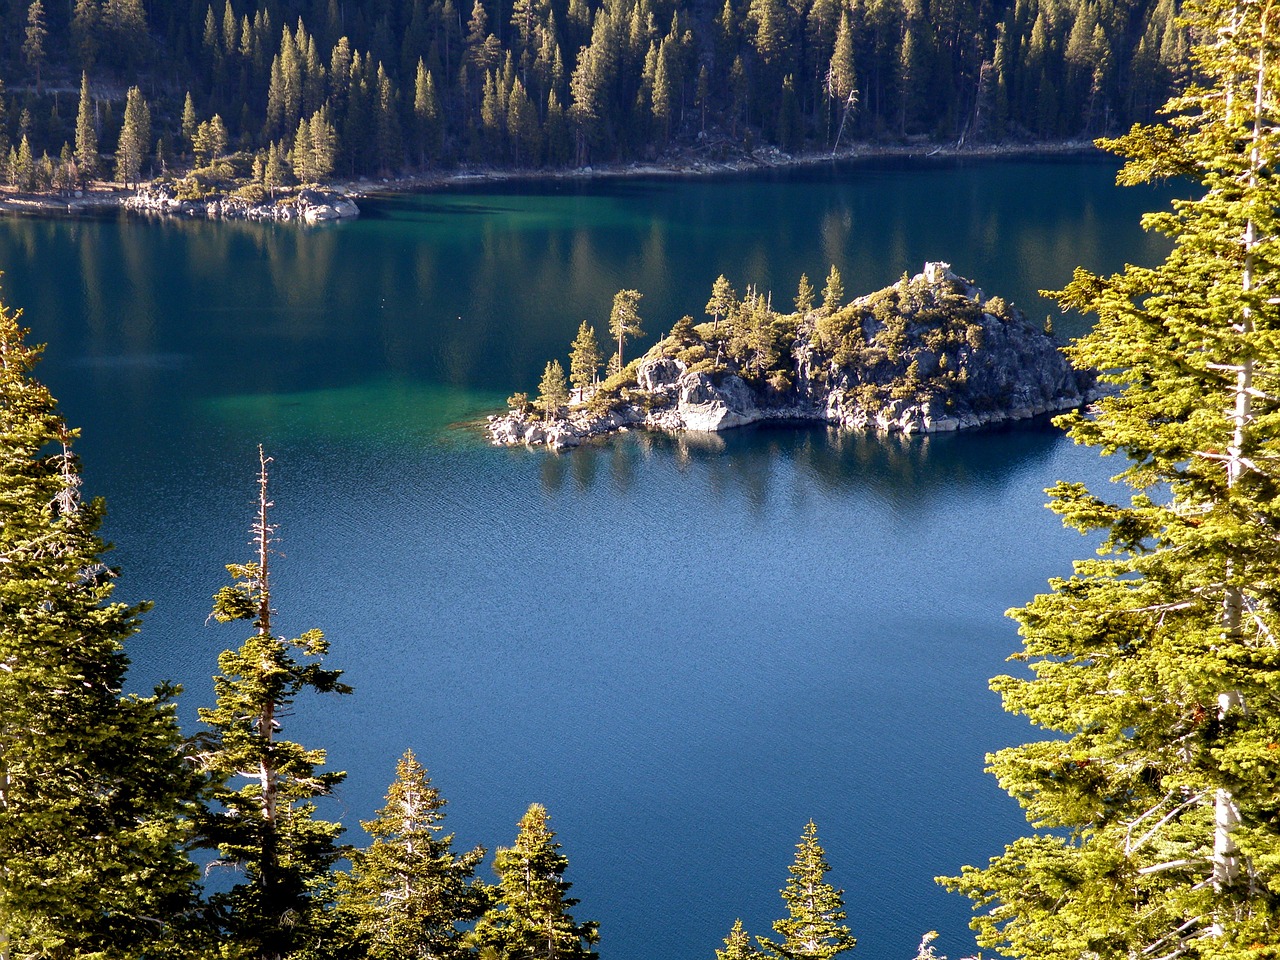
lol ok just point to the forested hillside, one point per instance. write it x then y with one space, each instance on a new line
309 89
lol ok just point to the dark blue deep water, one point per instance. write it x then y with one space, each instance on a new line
684 647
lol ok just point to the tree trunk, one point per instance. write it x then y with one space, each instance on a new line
1226 859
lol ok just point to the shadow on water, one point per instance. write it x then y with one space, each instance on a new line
406 208
909 471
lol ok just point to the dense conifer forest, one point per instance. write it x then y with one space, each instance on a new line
304 90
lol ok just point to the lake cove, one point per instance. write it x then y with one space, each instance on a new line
684 647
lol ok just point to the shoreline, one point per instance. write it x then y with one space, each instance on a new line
691 164
108 197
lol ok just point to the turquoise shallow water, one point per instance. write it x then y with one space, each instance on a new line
685 648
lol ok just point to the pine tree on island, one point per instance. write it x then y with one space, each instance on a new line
584 359
833 292
553 391
262 816
1156 792
531 917
683 331
95 794
624 319
723 299
407 892
804 295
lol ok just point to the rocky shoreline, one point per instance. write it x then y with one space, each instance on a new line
996 368
704 162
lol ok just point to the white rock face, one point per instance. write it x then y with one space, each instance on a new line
659 373
704 407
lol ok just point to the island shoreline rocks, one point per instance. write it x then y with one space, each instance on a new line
964 362
306 206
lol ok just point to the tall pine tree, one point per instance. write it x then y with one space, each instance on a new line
407 892
94 792
584 358
531 918
1155 665
135 137
262 819
815 908
87 158
624 319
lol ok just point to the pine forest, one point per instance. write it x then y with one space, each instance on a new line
295 92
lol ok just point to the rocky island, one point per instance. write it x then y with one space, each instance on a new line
929 354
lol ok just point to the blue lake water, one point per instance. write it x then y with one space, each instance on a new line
684 647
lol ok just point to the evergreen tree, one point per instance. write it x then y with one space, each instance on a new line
663 94
94 792
427 120
553 391
189 123
491 117
760 335
267 825
274 174
522 125
586 90
86 133
85 16
833 292
584 358
135 136
407 892
531 917
624 319
4 121
804 295
388 143
723 299
64 172
125 23
33 51
556 132
738 945
24 166
842 80
1154 665
815 908
324 144
300 158
682 331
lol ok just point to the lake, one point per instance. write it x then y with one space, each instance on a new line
685 647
